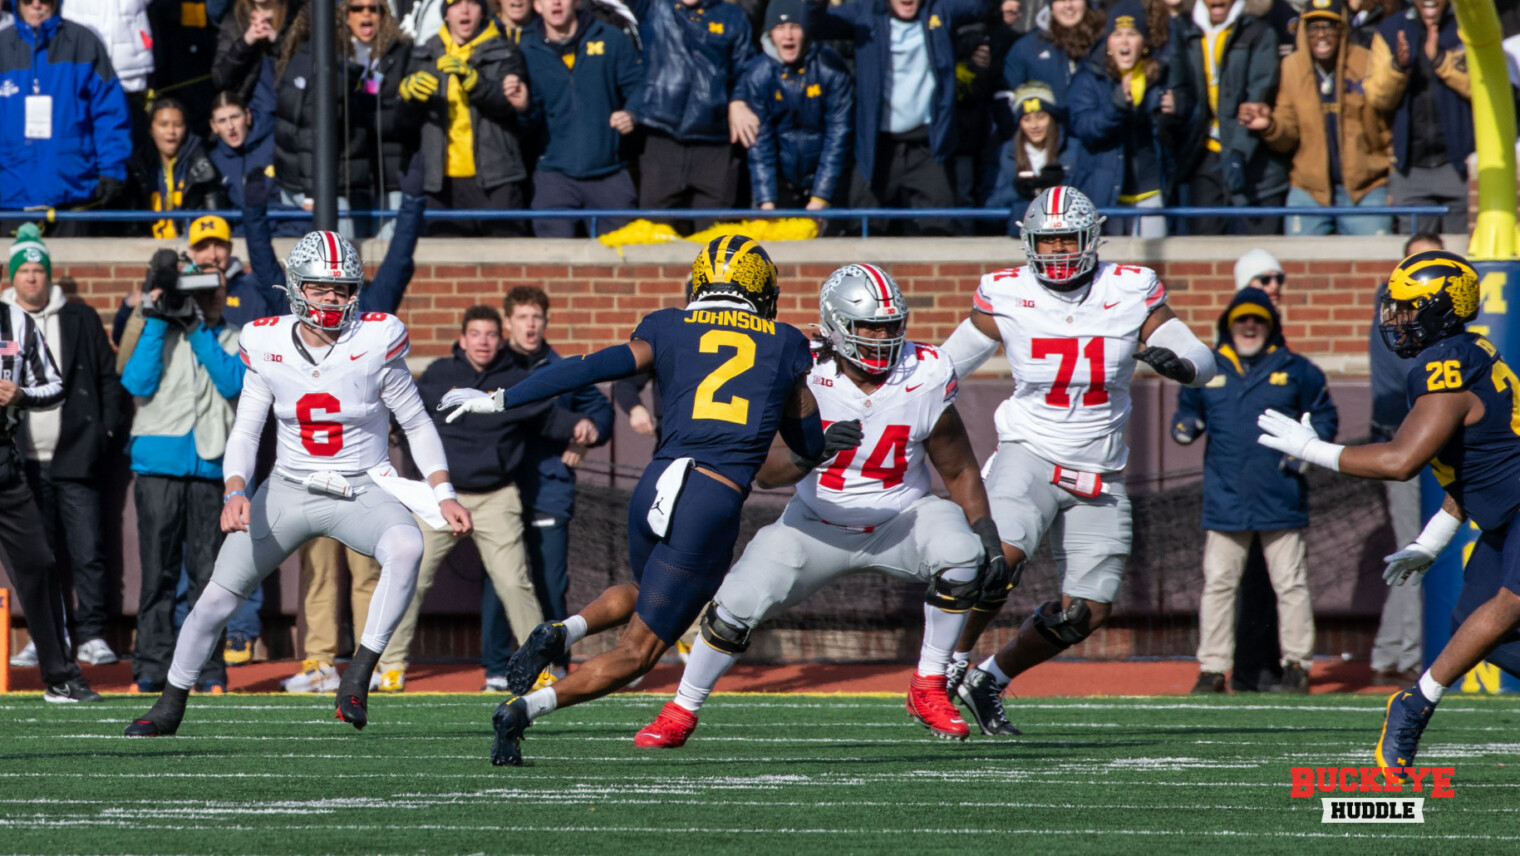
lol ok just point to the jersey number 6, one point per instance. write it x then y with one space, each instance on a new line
1066 349
736 409
322 438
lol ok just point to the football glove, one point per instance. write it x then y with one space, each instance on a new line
418 86
1186 431
838 437
1411 563
997 576
472 401
466 73
1167 364
1284 434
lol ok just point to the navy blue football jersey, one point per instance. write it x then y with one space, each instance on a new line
724 377
1480 466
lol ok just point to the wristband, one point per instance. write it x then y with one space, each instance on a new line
444 491
1324 454
231 494
1439 531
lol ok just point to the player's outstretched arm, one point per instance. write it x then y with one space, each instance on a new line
618 361
1172 349
949 450
973 343
1431 423
399 393
1415 558
784 467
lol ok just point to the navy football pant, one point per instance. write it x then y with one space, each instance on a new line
1495 564
680 573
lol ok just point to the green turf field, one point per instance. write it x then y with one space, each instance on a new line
765 774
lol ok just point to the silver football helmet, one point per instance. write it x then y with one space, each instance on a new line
857 294
1062 210
323 257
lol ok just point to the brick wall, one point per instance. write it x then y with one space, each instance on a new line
599 297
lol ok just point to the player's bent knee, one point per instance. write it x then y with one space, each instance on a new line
724 635
1064 628
953 595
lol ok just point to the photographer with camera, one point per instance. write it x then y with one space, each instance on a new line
185 374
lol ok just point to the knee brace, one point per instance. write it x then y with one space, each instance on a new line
953 596
1063 629
724 635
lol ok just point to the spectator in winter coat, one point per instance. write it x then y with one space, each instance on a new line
74 149
1339 143
466 87
805 99
547 483
123 27
174 172
694 54
1232 61
588 80
245 147
1419 72
184 50
1066 32
489 454
251 39
904 99
1250 491
1122 108
1036 158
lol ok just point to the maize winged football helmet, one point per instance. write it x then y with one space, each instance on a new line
1431 295
323 257
737 268
857 294
1062 211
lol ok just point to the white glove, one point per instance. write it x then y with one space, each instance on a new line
1297 439
472 401
1413 561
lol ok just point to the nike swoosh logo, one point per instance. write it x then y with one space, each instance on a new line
357 356
911 388
1110 305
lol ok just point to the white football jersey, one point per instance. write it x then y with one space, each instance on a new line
331 415
1072 357
888 471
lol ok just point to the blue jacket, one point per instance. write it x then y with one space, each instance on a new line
693 58
91 128
868 24
1035 57
1454 111
176 456
547 485
573 104
805 116
1246 486
1104 128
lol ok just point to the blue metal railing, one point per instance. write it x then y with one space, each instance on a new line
864 215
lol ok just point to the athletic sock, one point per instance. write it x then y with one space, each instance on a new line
704 667
941 630
575 629
1430 689
360 668
541 702
169 710
961 658
990 666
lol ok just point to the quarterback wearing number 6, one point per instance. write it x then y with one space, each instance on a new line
730 378
334 381
1464 420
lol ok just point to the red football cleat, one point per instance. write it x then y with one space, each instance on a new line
669 730
928 704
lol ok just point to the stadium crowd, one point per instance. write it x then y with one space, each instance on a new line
605 104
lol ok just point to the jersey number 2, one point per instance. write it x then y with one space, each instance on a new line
1067 349
321 437
736 409
893 444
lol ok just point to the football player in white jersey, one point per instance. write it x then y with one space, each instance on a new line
1072 328
866 509
334 382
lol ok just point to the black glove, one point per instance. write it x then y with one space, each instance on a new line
107 188
839 437
997 576
1187 430
1168 364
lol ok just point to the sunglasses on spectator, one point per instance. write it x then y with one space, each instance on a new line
1323 26
37 2
1269 278
360 10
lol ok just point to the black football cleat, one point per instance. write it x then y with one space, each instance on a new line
352 710
510 720
163 719
353 690
984 701
543 646
955 672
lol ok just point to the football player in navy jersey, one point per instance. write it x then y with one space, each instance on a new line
1464 420
730 377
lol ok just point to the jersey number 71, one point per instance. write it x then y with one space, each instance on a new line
1066 349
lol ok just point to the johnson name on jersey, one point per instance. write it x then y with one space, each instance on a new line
888 471
1072 357
1480 466
334 414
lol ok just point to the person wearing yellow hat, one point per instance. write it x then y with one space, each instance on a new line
1250 491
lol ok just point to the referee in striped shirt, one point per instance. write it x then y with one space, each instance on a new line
30 381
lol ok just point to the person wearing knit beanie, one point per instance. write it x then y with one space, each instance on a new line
1261 269
29 248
